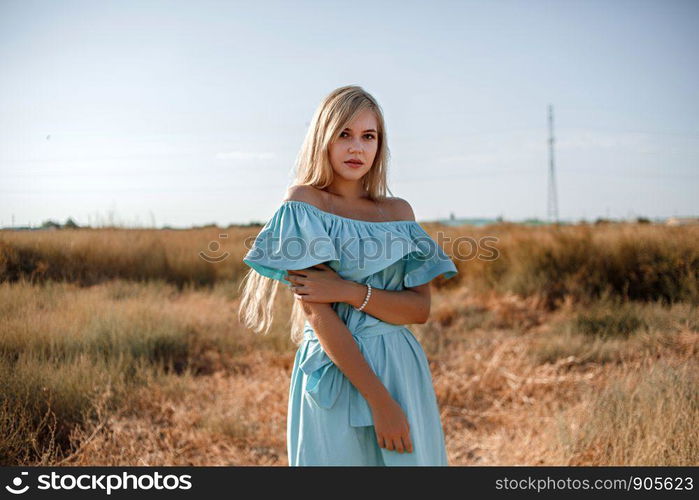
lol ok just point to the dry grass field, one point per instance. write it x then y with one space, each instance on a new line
575 345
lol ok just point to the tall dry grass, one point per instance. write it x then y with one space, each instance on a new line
584 263
122 347
633 261
91 256
63 347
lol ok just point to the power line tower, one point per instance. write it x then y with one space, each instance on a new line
552 209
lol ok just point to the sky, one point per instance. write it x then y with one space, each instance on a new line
180 113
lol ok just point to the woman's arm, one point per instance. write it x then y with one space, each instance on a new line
400 307
320 284
341 348
390 423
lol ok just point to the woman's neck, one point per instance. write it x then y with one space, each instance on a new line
347 191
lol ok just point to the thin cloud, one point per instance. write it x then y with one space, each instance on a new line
245 155
488 151
498 150
589 140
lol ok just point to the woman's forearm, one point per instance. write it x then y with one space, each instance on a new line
341 348
400 307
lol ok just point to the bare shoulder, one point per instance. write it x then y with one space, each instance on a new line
400 209
306 193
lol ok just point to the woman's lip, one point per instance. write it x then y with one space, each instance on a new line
354 164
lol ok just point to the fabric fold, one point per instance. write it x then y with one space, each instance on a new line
428 261
326 381
291 239
300 235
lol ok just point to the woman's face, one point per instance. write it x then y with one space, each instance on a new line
359 142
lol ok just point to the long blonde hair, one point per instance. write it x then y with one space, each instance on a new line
313 168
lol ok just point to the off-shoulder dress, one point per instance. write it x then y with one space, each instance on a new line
329 421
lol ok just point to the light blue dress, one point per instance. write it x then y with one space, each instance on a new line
329 421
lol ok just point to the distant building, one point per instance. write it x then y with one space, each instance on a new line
681 221
454 221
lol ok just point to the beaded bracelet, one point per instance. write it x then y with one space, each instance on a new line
366 299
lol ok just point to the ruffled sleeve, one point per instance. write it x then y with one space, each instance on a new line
294 238
428 262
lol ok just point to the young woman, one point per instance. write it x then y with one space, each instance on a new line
359 266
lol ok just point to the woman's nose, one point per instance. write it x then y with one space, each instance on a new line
355 146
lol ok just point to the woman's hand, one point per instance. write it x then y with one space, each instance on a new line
320 283
392 427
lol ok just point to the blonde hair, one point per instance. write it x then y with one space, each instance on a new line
313 168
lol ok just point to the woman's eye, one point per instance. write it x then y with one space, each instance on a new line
370 136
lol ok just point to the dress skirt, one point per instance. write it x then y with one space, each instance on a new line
329 421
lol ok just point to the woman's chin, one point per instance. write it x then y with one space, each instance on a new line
351 174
